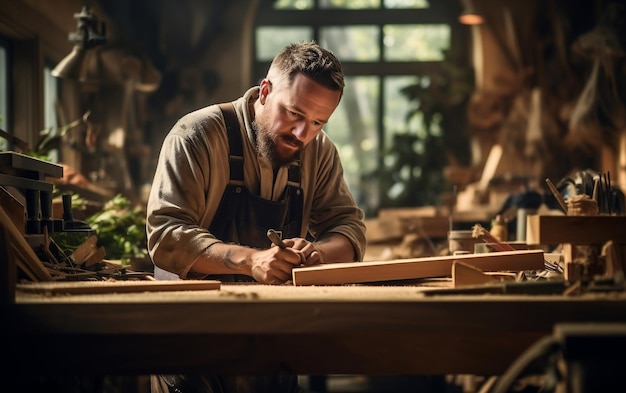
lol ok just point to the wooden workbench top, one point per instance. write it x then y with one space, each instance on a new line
109 292
349 329
53 292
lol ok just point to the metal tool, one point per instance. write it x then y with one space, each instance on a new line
275 238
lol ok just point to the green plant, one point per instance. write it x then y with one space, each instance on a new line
413 174
120 228
50 138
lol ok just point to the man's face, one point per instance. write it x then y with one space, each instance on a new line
290 117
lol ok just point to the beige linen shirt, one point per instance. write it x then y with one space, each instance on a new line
192 173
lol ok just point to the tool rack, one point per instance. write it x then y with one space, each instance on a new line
28 174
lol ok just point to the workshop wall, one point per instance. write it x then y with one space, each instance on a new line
537 93
202 50
529 73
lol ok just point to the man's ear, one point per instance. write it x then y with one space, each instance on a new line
264 89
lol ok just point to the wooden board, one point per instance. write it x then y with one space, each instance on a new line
99 287
412 268
14 209
380 230
23 255
541 229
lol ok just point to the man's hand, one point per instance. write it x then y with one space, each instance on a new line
273 266
310 254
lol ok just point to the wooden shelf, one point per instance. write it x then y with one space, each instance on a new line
18 164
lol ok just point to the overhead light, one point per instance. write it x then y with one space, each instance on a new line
470 16
87 36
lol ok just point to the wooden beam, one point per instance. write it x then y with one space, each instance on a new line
580 230
14 209
100 287
412 268
23 256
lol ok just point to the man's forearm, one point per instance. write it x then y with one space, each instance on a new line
335 248
223 258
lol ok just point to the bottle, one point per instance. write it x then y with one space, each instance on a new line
499 228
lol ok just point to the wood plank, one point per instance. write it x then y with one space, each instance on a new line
24 256
412 268
100 287
13 208
395 224
543 229
24 164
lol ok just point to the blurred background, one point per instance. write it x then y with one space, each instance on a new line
96 85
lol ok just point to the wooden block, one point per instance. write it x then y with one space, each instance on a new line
569 252
395 212
573 271
412 268
99 287
383 230
580 230
83 251
464 274
615 260
393 225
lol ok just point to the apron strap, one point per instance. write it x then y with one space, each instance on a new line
235 158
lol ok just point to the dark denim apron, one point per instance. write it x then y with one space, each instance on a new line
243 217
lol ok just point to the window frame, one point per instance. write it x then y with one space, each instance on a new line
439 12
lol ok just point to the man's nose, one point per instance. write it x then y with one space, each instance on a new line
300 130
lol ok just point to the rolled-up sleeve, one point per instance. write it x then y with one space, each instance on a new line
178 208
333 208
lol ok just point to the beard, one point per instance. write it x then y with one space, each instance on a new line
267 144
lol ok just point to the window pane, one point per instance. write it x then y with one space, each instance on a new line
4 98
353 43
397 107
406 3
416 42
413 161
350 4
50 93
272 39
293 4
352 127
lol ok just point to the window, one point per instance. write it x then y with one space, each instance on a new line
386 47
4 97
50 94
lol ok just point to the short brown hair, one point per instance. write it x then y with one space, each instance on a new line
310 59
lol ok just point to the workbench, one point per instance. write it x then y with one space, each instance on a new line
348 329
